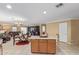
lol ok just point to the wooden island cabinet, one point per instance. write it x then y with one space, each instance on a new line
43 46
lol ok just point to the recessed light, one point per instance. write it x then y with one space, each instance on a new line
9 6
44 12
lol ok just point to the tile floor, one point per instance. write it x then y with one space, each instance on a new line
62 49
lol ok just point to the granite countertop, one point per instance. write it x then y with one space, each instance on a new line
38 37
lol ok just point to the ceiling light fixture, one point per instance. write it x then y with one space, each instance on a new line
19 21
9 6
59 5
44 12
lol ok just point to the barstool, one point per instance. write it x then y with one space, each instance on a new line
1 47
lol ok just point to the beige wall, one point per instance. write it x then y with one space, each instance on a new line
75 32
52 29
6 27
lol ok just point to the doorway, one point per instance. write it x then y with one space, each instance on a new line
63 32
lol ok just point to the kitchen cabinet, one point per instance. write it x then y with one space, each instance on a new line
43 46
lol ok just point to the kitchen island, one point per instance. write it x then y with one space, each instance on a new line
43 45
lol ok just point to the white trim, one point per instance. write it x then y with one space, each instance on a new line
61 20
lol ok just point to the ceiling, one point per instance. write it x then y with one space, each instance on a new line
33 12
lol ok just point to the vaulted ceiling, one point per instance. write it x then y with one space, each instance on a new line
33 13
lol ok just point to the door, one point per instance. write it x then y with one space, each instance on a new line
63 32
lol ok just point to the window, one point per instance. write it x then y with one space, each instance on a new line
14 28
24 30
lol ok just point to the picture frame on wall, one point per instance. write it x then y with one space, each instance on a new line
43 31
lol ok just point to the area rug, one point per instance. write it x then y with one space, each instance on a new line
22 42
